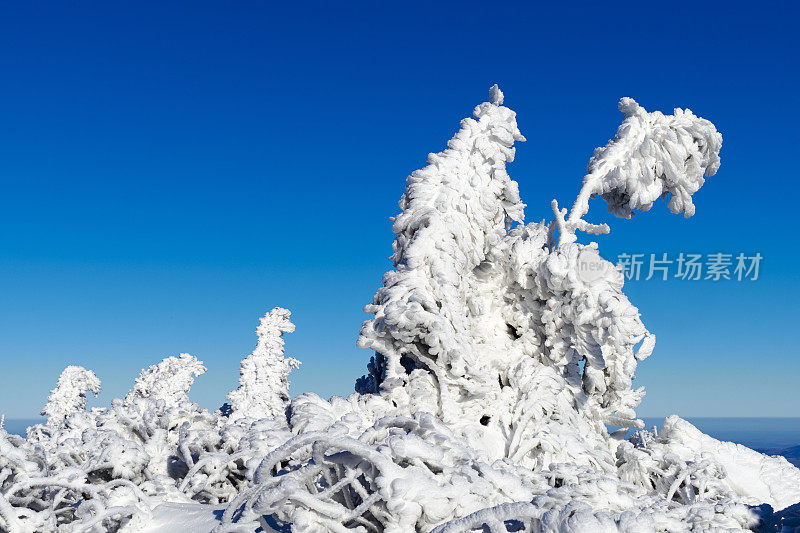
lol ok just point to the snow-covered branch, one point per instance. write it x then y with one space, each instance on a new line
651 156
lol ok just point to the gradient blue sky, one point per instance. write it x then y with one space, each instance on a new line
172 170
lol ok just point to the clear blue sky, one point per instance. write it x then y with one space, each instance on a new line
172 170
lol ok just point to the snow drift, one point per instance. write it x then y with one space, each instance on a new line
500 361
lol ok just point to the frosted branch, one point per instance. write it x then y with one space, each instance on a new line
651 156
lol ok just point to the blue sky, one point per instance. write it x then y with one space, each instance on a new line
172 170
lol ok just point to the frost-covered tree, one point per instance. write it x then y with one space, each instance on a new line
453 212
169 380
476 306
488 325
264 374
69 395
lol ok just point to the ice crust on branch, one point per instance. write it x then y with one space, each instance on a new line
653 155
264 374
499 361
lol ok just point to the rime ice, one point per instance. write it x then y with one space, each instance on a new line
498 365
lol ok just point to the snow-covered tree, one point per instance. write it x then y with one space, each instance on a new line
264 374
69 395
170 380
453 212
485 324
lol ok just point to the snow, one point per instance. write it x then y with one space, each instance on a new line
768 479
183 518
69 395
499 362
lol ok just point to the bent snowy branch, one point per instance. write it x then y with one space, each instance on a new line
651 156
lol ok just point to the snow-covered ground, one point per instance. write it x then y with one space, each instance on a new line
769 479
752 475
183 518
502 353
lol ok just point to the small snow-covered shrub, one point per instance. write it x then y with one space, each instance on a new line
264 385
498 366
69 396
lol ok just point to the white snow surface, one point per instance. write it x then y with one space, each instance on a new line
767 479
183 518
499 365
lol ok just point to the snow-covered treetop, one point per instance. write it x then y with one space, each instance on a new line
465 185
496 95
263 376
651 155
170 380
69 395
453 211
